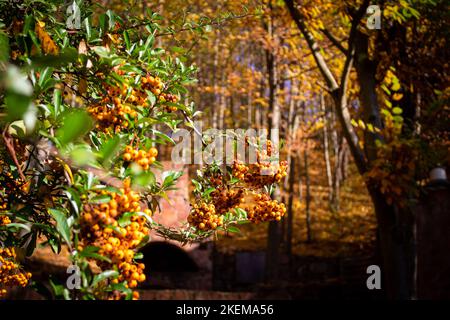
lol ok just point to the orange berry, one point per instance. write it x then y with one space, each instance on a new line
127 156
153 152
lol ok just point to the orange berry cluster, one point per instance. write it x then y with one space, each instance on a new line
100 228
110 113
265 209
169 98
224 200
10 275
4 220
155 85
203 216
118 105
263 172
143 158
10 186
259 174
3 205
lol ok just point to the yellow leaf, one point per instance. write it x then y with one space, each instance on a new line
396 86
361 124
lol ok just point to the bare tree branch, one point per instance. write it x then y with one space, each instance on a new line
334 40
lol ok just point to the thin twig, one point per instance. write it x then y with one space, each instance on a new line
10 146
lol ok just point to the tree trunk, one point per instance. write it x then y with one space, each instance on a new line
326 152
394 225
290 211
222 104
336 170
215 111
394 228
308 197
396 244
273 237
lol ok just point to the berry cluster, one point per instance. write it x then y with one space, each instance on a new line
265 209
100 228
263 172
11 187
259 174
143 158
4 220
118 106
226 199
110 113
3 205
204 217
10 275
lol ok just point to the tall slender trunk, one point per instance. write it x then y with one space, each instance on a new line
290 211
273 237
308 197
222 103
215 111
326 151
336 170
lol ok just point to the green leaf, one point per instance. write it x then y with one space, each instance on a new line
138 256
126 37
163 136
74 198
57 288
103 52
111 19
16 226
208 191
149 42
75 124
61 224
169 177
145 178
31 245
121 287
4 47
82 155
17 105
68 55
109 149
143 242
151 98
91 252
103 198
233 229
103 276
197 185
125 219
397 110
87 25
178 49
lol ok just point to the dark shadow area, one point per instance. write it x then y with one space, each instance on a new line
166 257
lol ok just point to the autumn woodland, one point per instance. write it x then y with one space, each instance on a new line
254 149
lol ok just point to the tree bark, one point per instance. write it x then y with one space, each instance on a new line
308 197
326 151
274 234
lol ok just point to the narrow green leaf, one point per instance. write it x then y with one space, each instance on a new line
61 224
103 276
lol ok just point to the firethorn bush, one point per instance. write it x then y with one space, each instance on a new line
83 113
